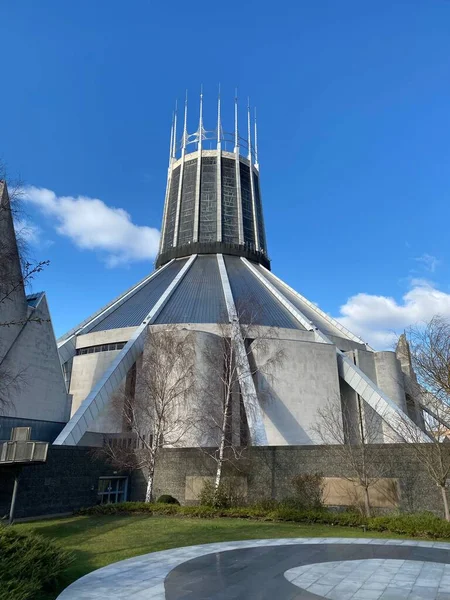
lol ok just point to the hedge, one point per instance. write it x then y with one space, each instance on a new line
414 525
29 564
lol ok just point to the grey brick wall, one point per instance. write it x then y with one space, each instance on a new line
66 482
269 471
69 479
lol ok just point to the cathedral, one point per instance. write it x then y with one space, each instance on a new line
213 260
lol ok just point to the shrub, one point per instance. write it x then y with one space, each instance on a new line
167 499
308 491
225 496
412 525
266 504
29 564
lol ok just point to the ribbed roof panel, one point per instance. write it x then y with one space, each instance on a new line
132 312
199 297
250 296
320 322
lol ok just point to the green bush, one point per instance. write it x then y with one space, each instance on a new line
167 499
308 491
412 525
29 564
226 495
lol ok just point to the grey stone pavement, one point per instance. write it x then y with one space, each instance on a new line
278 569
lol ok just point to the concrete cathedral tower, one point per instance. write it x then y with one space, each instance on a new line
213 259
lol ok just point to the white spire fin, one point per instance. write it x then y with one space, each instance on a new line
249 132
171 140
256 143
185 134
174 143
236 132
200 120
219 124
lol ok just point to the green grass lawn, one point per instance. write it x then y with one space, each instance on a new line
99 541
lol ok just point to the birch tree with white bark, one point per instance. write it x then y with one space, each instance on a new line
155 408
222 414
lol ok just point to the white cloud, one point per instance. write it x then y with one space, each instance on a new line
429 262
377 319
92 225
27 231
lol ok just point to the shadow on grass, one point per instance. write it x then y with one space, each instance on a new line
85 529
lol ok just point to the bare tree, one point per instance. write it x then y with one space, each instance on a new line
222 415
154 409
349 433
427 386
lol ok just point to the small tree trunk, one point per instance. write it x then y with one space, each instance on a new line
149 491
445 501
220 461
223 434
367 502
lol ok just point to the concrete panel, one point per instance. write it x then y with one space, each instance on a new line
390 377
385 493
373 423
87 370
33 358
13 304
109 336
391 380
291 393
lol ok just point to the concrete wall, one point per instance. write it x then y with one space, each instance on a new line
291 392
13 304
41 392
290 395
267 473
87 369
108 336
69 479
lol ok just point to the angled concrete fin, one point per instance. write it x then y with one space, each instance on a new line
351 374
250 399
433 414
379 401
103 390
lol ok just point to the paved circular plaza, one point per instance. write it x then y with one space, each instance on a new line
277 569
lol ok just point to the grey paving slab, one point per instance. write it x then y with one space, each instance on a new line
281 569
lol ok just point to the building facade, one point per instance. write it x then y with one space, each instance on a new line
33 392
213 261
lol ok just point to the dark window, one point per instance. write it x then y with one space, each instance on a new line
172 209
259 214
247 207
185 234
112 489
101 348
230 229
208 200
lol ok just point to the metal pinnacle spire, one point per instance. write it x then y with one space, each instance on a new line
236 133
185 122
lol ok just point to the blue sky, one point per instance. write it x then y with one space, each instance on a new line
353 107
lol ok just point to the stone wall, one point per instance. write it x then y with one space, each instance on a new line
69 479
66 482
268 471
